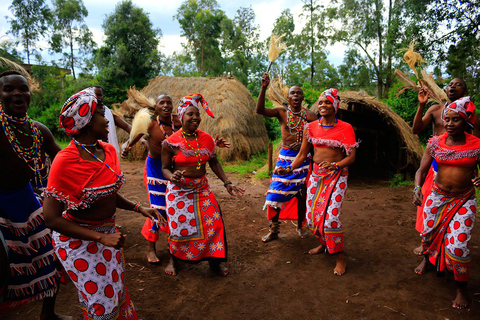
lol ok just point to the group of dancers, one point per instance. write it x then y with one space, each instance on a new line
80 197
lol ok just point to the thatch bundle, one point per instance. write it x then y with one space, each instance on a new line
232 104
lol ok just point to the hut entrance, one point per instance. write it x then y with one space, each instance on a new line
387 146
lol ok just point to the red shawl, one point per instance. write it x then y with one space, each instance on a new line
186 157
79 183
341 135
464 155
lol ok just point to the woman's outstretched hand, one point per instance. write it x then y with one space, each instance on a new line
234 190
221 142
152 214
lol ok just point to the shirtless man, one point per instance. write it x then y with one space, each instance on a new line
23 144
161 127
285 188
456 89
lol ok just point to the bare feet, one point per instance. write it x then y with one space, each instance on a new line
341 266
219 268
302 233
270 236
317 250
418 250
461 300
152 257
171 268
422 267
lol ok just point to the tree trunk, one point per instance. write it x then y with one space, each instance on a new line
71 54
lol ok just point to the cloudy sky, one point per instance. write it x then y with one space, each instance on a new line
161 14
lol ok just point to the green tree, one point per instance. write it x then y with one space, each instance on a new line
201 23
71 32
129 56
354 72
284 24
30 22
379 29
241 47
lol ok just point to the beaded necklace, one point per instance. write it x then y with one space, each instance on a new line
94 156
296 128
27 154
162 128
196 151
325 125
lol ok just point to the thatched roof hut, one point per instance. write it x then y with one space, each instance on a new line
231 102
387 142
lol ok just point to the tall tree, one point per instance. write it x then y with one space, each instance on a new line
71 32
30 22
284 24
201 23
379 29
241 47
129 55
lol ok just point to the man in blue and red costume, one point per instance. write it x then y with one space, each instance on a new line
450 208
285 197
334 149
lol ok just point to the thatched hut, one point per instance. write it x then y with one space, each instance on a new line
231 102
387 145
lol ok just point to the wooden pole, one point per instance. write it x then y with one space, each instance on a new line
270 155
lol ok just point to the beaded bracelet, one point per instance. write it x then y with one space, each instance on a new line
417 188
227 183
289 167
137 207
337 167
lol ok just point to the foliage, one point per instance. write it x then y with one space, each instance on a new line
249 166
129 56
405 105
30 22
201 23
355 73
71 32
49 117
399 180
310 94
379 29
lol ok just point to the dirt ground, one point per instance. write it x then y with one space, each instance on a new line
279 280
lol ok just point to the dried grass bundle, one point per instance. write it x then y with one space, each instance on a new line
7 65
277 93
414 61
412 58
140 123
276 47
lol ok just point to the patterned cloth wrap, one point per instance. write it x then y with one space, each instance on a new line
325 193
97 271
194 219
283 188
449 218
464 107
192 100
33 274
448 223
77 111
156 185
196 225
332 95
326 189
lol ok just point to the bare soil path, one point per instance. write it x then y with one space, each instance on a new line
279 280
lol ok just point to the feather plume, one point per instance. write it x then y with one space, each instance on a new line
140 123
141 100
277 93
276 47
436 94
412 58
407 83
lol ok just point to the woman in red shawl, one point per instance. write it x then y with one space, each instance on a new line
80 203
449 211
195 222
334 147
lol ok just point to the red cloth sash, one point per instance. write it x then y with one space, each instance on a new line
426 190
464 155
341 135
79 183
